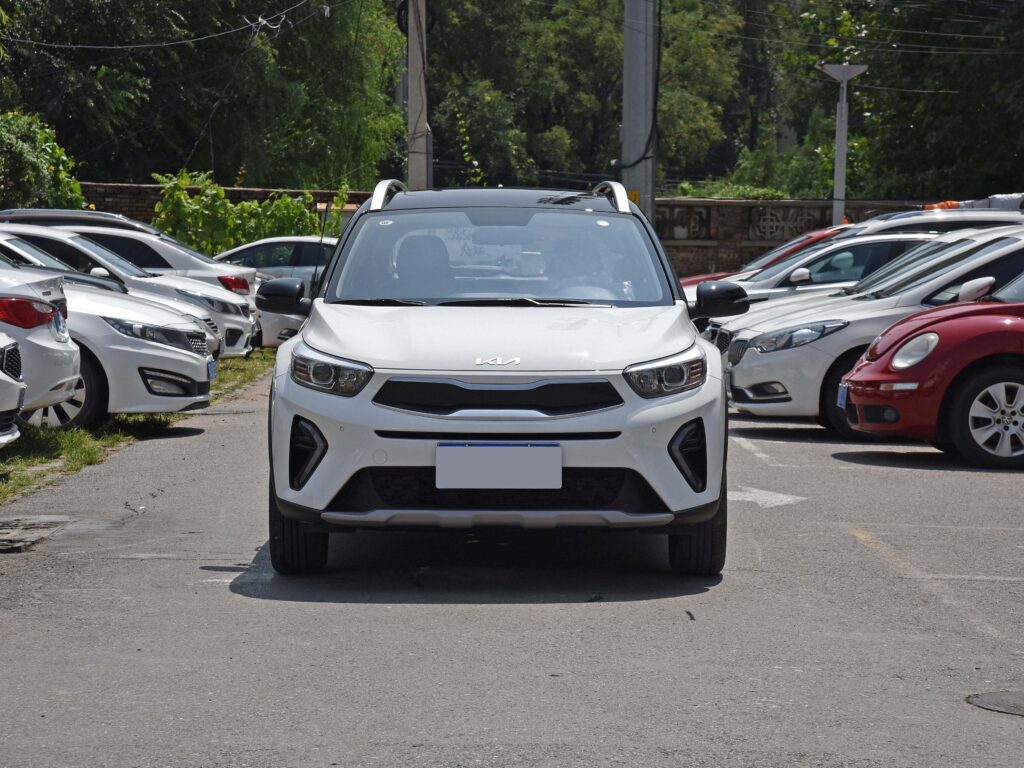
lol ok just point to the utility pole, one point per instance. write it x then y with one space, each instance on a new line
844 73
639 139
420 141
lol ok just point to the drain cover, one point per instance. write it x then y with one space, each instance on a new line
20 533
1010 702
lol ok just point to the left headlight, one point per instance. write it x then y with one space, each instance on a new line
669 375
796 336
914 351
328 374
169 336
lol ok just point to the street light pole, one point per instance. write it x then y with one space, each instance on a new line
639 139
843 73
420 141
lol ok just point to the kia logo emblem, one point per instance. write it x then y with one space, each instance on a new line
498 361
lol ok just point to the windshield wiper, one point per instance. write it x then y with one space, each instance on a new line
383 302
518 301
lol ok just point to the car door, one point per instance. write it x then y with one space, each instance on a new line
842 267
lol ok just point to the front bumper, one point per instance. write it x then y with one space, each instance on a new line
235 333
800 372
910 413
278 328
368 445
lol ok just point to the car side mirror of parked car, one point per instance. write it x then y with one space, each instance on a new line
719 298
283 296
99 272
973 290
800 275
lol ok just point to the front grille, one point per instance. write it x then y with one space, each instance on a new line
722 339
414 488
198 343
442 397
12 361
736 351
7 421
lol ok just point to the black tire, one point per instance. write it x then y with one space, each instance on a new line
978 441
87 406
294 548
829 412
701 550
945 446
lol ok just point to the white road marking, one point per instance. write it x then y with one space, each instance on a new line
748 445
764 499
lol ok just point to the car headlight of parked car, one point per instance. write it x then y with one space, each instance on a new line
914 351
169 336
669 375
215 305
796 336
328 374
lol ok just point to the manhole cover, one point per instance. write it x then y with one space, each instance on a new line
21 533
1010 702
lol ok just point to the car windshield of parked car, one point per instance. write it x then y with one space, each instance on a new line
479 256
787 263
767 258
943 264
1012 292
190 251
38 254
113 260
912 258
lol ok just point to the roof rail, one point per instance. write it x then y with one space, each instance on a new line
615 192
382 191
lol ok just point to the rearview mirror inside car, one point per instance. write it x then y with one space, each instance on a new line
283 296
719 298
973 290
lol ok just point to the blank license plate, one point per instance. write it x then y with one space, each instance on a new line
211 369
499 465
841 399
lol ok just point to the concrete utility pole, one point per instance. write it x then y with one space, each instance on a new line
844 73
639 139
421 141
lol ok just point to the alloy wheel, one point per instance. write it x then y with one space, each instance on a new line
996 419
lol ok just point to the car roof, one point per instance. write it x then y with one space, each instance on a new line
330 239
34 229
980 214
104 218
499 197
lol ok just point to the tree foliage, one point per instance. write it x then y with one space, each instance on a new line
34 169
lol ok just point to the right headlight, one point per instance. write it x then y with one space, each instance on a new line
669 375
155 333
796 336
914 351
328 374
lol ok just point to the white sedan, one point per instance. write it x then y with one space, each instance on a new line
790 362
12 389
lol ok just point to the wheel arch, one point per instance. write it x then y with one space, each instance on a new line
87 352
848 358
1003 358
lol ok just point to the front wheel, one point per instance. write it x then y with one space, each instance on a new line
701 550
830 414
294 549
987 418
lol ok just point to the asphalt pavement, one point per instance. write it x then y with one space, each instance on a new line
869 589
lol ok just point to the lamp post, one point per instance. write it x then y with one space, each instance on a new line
844 73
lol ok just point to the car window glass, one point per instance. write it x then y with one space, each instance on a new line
69 254
137 252
766 258
110 260
784 266
849 263
271 255
1012 292
242 258
38 254
311 255
1003 270
943 263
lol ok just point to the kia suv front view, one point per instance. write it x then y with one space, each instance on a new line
498 357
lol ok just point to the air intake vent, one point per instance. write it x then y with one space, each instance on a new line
443 397
689 451
307 448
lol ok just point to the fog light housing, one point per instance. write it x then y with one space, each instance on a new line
307 448
689 452
168 384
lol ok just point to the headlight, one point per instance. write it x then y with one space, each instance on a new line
914 351
328 374
154 333
210 303
669 375
796 336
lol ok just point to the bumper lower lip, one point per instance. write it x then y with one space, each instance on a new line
466 518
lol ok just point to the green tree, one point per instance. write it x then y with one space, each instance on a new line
34 169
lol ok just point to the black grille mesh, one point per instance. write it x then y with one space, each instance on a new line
12 361
198 343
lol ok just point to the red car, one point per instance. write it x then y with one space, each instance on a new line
953 376
771 257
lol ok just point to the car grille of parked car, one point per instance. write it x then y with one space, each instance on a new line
718 336
7 421
736 351
442 397
198 343
11 361
415 488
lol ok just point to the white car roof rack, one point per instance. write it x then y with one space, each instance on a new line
382 192
615 192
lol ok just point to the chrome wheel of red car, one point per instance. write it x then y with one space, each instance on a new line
988 418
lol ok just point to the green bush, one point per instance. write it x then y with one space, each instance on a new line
35 171
196 210
724 188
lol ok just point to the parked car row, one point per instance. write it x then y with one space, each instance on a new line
927 344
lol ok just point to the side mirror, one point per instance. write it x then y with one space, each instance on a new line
99 272
719 298
283 297
973 290
800 275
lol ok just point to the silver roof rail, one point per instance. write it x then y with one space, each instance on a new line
383 190
615 192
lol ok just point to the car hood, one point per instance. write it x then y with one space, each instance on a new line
515 339
178 305
769 311
921 321
32 284
839 308
173 282
90 301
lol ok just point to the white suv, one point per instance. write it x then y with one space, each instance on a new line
498 357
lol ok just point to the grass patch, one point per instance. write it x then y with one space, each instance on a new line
40 456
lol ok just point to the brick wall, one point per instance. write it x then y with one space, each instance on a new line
700 235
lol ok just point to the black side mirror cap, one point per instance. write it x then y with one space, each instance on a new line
719 298
283 296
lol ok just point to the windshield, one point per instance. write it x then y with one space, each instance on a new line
942 264
908 260
787 263
113 261
766 258
38 254
849 232
500 255
1012 292
181 246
